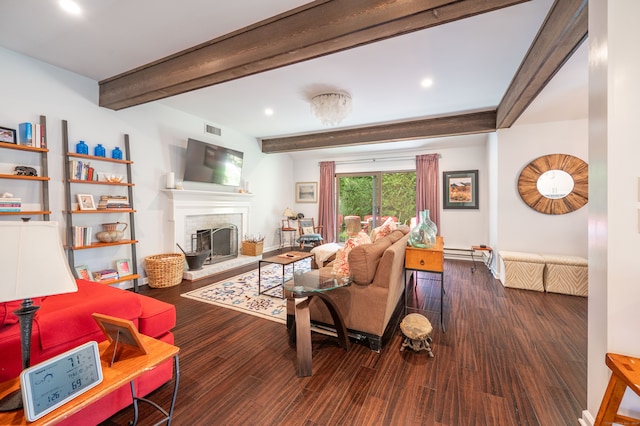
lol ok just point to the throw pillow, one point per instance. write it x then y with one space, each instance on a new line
341 265
307 230
363 238
383 230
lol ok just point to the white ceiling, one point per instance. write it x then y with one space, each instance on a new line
471 62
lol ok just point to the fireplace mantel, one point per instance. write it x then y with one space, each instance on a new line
190 194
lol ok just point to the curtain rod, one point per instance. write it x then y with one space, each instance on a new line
374 160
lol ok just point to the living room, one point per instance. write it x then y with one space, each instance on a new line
158 139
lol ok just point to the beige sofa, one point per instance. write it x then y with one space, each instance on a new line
368 305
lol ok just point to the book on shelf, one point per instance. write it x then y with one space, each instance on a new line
82 236
105 275
82 170
10 204
25 134
113 202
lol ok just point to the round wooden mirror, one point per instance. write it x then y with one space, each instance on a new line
555 184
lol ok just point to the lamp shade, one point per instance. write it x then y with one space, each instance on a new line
32 261
288 213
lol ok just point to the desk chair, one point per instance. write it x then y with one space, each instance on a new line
309 233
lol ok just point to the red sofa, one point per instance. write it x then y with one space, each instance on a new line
64 321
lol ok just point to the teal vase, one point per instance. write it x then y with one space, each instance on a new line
423 235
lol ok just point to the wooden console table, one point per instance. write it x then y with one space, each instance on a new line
123 371
429 260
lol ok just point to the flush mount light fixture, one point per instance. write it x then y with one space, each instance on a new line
331 108
427 82
70 6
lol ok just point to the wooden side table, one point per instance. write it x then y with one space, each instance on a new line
288 232
427 260
489 259
123 371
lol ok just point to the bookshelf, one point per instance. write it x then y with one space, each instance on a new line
42 179
74 186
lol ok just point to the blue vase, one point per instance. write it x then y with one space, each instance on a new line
424 233
99 151
82 148
116 153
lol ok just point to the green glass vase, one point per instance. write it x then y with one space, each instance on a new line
423 235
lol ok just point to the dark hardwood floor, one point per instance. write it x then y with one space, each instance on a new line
508 357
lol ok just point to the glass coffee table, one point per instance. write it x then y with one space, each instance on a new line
300 290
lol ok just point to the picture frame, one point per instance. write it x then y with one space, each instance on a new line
8 135
306 192
124 267
460 189
82 272
85 202
122 334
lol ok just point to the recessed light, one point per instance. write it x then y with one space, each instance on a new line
70 6
268 111
427 82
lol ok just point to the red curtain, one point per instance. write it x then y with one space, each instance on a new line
427 174
327 200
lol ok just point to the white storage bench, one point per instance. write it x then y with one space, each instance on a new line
522 270
566 274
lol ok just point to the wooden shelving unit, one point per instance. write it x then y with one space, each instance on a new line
43 178
70 213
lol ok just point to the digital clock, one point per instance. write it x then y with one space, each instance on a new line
50 384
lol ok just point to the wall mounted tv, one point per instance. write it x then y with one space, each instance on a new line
212 164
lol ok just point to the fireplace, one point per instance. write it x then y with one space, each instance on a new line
193 211
221 242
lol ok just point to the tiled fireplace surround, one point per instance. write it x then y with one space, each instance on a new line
196 210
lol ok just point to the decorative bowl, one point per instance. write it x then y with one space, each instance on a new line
113 178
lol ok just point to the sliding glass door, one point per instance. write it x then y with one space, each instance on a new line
373 197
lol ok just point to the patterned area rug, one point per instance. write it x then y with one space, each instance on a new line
241 292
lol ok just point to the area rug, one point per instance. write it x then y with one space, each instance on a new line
241 292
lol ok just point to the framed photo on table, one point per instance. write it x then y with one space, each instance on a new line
460 189
306 192
121 333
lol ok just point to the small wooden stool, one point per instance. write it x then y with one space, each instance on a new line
417 331
625 372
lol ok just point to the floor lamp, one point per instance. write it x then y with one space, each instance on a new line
32 264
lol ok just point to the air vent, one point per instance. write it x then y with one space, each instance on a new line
212 130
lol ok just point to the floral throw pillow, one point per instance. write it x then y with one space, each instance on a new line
383 230
341 265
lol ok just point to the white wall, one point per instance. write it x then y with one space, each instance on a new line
519 227
158 136
614 234
460 228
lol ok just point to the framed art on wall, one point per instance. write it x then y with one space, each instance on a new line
460 189
306 192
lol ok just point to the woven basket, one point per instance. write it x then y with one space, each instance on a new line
164 270
252 249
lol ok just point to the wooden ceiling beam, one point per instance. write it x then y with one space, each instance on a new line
313 30
463 124
564 29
